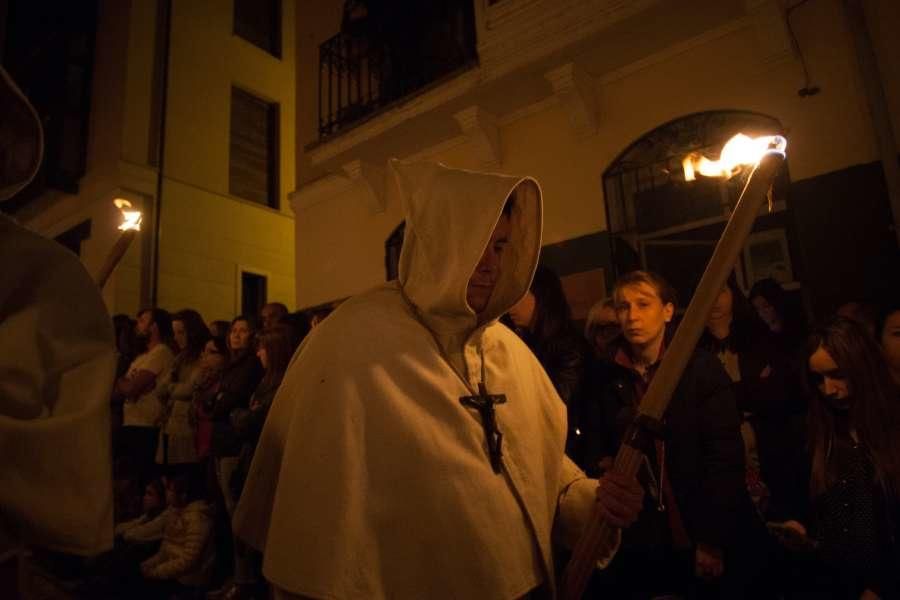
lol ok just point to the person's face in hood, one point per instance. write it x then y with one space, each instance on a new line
487 273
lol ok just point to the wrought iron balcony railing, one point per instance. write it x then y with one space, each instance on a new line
386 57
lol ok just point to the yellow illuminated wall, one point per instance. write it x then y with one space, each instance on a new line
207 236
722 69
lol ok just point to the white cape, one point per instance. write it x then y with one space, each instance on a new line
371 480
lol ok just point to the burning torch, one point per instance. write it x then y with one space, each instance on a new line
765 155
131 224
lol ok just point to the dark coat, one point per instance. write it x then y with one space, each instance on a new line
248 425
704 450
775 406
239 380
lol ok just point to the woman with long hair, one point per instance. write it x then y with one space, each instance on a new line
771 416
240 378
275 347
854 476
175 392
544 321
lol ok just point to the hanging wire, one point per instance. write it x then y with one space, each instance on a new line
808 89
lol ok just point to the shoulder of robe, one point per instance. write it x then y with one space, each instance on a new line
39 273
362 327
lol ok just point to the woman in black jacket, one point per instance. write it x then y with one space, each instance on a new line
693 474
543 320
275 347
767 391
239 379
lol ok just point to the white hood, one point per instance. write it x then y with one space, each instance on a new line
450 216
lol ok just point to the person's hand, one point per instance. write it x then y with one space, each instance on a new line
869 595
708 562
791 534
620 498
605 464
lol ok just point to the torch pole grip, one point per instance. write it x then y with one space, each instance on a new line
115 256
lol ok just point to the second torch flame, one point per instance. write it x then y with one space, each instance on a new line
131 219
738 152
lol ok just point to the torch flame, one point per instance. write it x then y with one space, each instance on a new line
739 151
131 219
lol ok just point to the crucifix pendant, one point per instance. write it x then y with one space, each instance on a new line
484 404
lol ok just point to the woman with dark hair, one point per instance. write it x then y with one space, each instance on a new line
772 422
786 323
544 321
240 378
854 476
275 347
175 391
772 425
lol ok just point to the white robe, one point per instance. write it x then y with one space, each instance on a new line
371 479
57 362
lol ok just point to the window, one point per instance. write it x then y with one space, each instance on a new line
659 221
253 293
259 22
253 164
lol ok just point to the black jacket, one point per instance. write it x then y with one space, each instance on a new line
775 406
704 450
239 380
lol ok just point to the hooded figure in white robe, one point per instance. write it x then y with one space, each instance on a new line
371 478
57 361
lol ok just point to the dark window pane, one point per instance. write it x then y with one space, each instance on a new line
259 22
253 164
253 293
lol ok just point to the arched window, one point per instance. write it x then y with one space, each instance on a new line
661 222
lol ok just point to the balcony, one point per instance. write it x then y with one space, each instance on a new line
389 51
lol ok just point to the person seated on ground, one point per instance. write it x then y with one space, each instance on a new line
149 526
112 573
185 558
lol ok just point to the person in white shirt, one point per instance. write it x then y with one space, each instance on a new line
142 410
